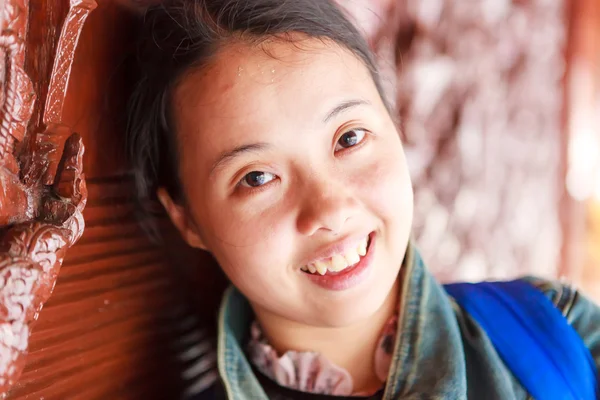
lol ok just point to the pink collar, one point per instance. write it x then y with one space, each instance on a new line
311 372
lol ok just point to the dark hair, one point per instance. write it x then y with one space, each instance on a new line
177 36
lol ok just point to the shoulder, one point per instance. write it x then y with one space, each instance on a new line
581 312
563 295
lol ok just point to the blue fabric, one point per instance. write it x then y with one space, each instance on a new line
532 337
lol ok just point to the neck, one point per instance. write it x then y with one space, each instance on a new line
347 347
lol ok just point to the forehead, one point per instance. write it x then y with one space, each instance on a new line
257 91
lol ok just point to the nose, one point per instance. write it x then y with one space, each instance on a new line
326 206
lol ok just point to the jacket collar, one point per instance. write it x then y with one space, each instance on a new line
428 355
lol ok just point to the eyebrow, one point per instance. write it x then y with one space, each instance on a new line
228 156
340 108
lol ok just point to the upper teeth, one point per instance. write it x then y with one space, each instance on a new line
339 262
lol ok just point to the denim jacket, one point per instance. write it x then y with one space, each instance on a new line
440 351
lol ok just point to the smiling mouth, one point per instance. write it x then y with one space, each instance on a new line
339 262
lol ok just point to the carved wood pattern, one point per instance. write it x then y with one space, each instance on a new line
59 79
18 95
44 190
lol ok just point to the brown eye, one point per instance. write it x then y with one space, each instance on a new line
257 178
350 138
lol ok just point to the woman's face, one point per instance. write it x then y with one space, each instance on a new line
294 178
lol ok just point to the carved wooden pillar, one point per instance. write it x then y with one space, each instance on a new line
43 190
120 323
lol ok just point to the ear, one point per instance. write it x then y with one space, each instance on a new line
180 219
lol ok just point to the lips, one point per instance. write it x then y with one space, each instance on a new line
340 261
349 276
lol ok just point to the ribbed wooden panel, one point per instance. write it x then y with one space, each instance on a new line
121 323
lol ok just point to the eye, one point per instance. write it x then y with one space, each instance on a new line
256 178
350 139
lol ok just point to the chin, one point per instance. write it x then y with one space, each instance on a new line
354 311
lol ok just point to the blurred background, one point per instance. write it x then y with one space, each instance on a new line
499 103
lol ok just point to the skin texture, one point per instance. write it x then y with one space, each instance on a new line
317 192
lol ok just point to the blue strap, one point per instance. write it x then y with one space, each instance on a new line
532 337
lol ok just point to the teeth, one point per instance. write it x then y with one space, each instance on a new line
321 267
352 257
338 263
362 247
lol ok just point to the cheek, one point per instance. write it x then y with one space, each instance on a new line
257 262
385 184
246 229
249 247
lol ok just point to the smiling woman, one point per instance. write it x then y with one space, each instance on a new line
306 170
275 180
292 175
